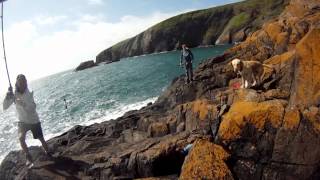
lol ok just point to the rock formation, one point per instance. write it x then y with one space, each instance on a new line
270 132
85 65
224 24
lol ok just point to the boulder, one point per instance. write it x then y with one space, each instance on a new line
199 114
206 161
158 129
85 65
256 116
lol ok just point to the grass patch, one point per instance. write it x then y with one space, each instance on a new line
239 20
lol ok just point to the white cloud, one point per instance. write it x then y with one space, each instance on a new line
95 2
36 54
49 20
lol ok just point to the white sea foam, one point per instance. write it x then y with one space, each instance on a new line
110 114
119 111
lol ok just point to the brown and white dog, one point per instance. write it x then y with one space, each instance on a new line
251 72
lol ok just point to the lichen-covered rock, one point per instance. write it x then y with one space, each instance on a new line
199 114
307 80
158 129
206 161
296 152
250 114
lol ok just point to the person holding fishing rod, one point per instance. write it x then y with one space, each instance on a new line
27 115
25 106
186 60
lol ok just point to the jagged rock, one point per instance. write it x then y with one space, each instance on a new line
206 161
199 115
85 65
276 94
181 127
244 117
307 82
158 129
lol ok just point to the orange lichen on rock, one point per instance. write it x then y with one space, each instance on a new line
203 108
253 113
313 116
298 8
307 79
280 60
206 161
273 30
158 129
282 38
291 119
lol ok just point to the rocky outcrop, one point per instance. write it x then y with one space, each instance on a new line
206 161
221 25
269 132
85 65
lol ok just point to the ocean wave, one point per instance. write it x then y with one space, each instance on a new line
88 120
119 111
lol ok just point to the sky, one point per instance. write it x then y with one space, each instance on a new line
44 37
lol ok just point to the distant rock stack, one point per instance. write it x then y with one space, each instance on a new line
85 65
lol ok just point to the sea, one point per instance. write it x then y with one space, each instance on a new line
97 94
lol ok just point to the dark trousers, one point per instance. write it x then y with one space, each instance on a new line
189 72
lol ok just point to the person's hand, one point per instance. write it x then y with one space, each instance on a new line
10 92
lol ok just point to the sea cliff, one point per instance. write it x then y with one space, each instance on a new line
219 25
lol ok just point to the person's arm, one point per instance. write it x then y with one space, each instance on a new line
8 100
191 54
181 57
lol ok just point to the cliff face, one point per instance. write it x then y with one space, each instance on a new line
271 132
225 24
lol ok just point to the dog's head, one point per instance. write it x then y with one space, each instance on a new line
237 65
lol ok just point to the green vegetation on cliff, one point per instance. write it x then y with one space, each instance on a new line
239 20
223 24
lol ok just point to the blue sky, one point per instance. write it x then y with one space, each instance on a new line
44 37
112 10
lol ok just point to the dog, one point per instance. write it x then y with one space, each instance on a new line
251 72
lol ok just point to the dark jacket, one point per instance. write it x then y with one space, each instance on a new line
187 56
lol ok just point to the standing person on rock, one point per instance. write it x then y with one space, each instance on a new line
27 115
187 58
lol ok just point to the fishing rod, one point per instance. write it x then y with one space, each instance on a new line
3 45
